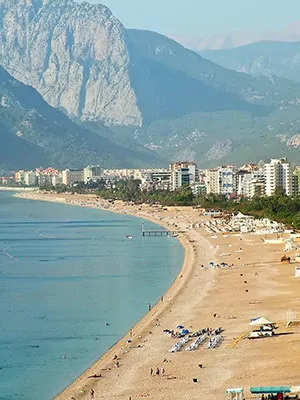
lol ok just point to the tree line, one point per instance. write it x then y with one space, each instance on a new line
279 207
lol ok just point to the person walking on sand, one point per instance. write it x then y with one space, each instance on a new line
157 371
162 370
151 371
92 392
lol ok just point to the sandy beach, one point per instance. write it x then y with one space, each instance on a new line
255 284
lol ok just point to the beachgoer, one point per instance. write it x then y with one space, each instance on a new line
92 392
162 298
117 364
149 306
95 376
162 370
151 371
115 357
157 371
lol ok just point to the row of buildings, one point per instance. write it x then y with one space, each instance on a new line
248 181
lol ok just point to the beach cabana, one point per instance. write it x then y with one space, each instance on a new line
235 394
261 321
277 390
265 326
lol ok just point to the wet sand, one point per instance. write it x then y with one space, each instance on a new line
256 285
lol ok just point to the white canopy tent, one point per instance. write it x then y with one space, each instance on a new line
261 321
235 394
242 216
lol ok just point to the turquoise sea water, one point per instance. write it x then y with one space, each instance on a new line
64 272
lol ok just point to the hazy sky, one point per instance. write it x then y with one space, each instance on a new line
204 17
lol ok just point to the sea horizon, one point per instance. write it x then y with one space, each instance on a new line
71 285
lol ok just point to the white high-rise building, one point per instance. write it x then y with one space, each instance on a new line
70 176
227 179
30 178
244 180
212 181
183 173
92 173
278 174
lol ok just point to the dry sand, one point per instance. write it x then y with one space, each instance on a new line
256 285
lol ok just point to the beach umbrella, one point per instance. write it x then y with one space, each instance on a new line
185 331
180 327
261 321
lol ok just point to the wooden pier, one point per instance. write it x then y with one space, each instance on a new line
159 233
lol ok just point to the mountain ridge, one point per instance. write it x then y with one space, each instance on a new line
230 40
36 134
138 92
266 58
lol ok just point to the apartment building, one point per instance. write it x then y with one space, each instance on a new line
227 182
92 173
71 176
278 174
183 173
156 180
30 178
212 181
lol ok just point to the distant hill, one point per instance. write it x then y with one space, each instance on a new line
230 40
269 129
262 58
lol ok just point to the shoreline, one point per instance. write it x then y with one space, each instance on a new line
255 284
144 323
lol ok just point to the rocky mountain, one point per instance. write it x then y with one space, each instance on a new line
81 59
137 92
230 40
74 54
262 58
223 135
35 134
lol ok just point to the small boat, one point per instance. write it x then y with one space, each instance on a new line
128 237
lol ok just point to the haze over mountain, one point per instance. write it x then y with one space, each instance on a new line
135 92
262 58
290 33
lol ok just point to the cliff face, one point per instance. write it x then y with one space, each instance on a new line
74 54
35 134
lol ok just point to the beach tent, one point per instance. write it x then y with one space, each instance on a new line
235 394
240 216
295 389
261 321
270 389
